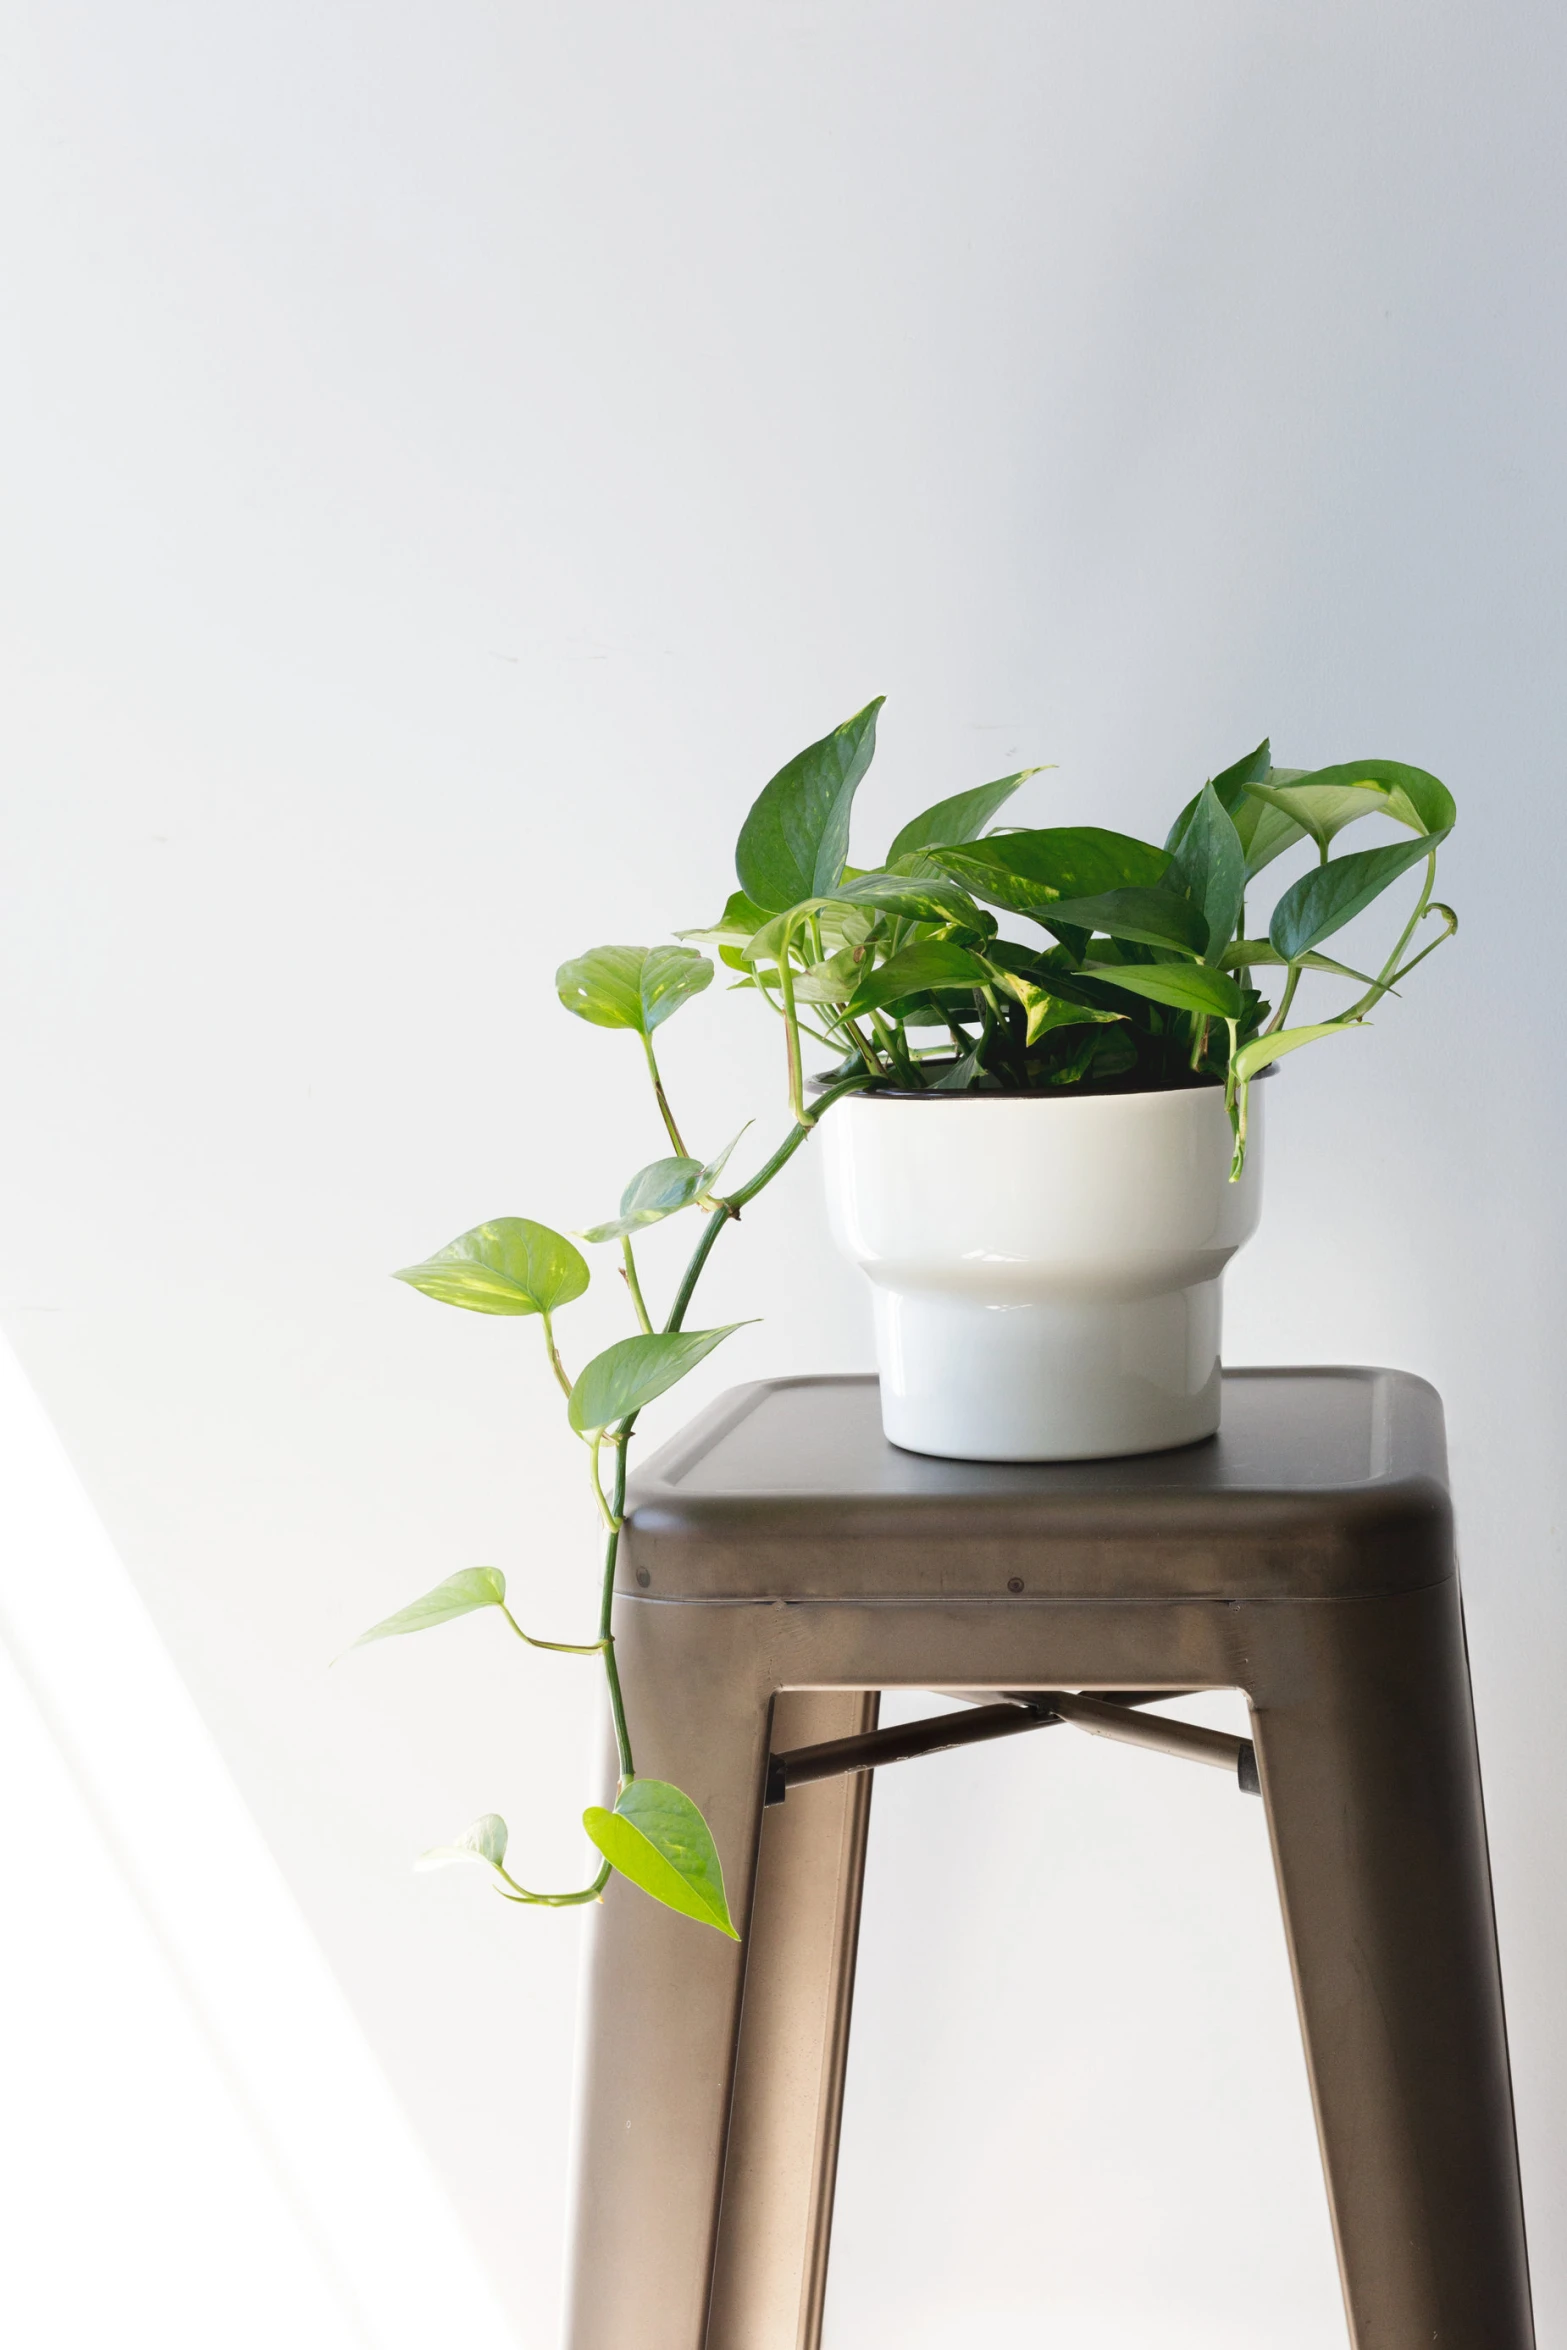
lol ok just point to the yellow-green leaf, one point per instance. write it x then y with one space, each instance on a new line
657 1838
459 1595
510 1266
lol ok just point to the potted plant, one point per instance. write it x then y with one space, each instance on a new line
1046 1154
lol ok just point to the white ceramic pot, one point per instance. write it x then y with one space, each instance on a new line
1046 1268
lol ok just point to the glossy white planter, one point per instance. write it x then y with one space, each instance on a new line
1046 1269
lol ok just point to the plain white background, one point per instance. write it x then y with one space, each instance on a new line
452 456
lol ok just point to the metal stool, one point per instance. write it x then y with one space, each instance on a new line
783 1564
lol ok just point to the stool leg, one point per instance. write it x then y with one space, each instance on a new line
770 2277
663 1997
1366 1743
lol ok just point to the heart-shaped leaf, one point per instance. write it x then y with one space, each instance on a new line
484 1842
1266 830
511 1266
632 987
931 962
795 841
1264 1049
658 1838
964 1076
1247 953
631 1373
829 982
963 817
1323 901
1024 870
653 1193
715 1167
1229 789
1323 809
736 926
916 898
459 1595
1188 987
1046 1011
671 976
1408 794
1231 784
661 1190
1209 868
1149 917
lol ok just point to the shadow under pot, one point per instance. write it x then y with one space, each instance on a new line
1046 1268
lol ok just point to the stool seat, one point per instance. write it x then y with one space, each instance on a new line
1326 1482
782 1564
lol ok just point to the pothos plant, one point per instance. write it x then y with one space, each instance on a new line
1139 970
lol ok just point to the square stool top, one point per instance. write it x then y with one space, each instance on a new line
1322 1482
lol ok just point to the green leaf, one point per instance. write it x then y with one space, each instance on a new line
931 962
1323 901
963 1076
913 897
511 1266
652 1194
1323 809
963 817
1045 1010
1209 867
671 976
632 987
1263 1049
1189 987
484 1842
1151 917
1229 786
1321 801
829 982
1229 789
635 1370
658 1838
1022 871
736 926
1266 832
1408 794
661 1190
715 1167
795 841
459 1595
1248 953
1080 1061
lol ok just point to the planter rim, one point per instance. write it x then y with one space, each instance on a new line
1057 1096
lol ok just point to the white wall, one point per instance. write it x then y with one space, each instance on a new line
453 456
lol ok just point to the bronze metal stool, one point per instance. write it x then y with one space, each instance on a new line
783 1564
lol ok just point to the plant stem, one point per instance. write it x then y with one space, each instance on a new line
663 1103
766 994
560 1647
1285 1001
890 1037
1404 969
553 1351
617 1703
791 1026
1390 971
633 1284
858 1041
557 1900
722 1210
613 1511
609 1516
